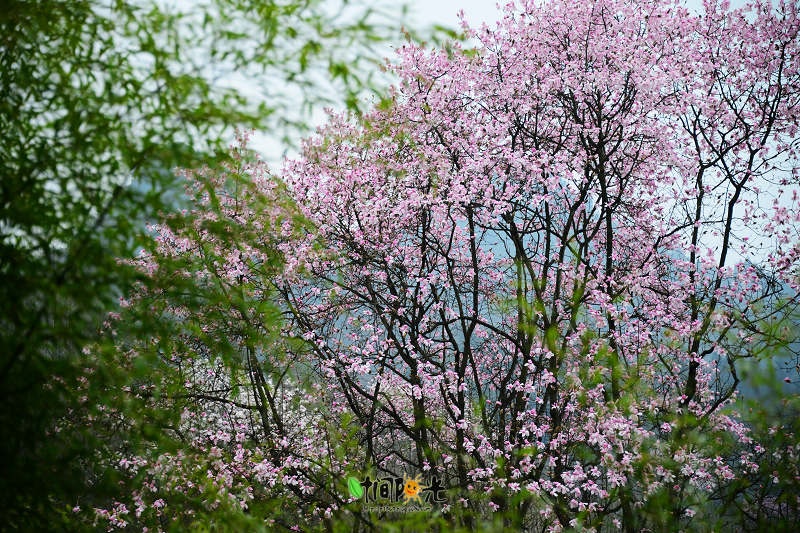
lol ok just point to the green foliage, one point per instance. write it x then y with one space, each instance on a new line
99 102
768 498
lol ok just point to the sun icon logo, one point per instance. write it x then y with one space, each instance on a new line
412 489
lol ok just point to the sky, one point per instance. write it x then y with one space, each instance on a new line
445 11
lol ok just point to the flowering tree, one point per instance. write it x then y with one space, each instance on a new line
233 422
537 273
545 261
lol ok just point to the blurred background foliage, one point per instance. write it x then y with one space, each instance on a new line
99 102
